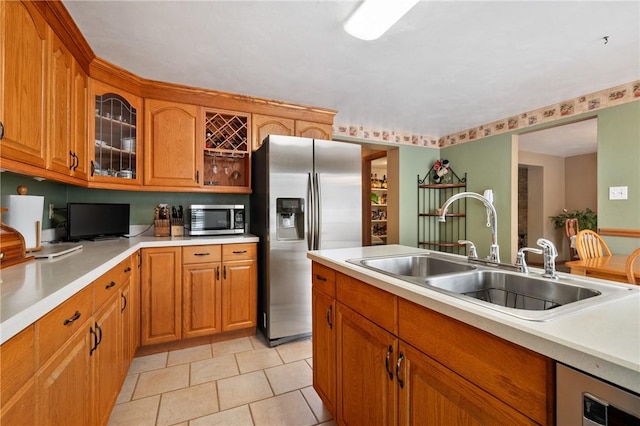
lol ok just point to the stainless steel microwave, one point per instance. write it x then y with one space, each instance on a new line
209 219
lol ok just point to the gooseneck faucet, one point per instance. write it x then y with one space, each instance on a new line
494 250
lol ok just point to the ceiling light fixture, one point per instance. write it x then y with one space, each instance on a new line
374 17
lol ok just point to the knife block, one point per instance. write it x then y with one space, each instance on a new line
162 228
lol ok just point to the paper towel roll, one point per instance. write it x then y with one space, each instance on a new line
25 216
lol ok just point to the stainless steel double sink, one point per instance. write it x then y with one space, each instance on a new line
526 296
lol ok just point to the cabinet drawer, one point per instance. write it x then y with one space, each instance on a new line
239 251
324 279
109 284
520 377
57 326
18 363
377 305
201 254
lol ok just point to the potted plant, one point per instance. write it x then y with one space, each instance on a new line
587 218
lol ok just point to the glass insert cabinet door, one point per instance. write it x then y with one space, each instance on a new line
116 148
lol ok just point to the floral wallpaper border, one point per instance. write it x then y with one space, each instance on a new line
602 99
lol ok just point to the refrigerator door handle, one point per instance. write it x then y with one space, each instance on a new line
310 213
318 213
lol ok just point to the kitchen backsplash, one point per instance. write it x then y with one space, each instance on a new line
605 98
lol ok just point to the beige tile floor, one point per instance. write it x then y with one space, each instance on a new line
238 382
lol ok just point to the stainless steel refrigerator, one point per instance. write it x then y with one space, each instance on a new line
307 195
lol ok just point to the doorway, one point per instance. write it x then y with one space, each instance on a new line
557 170
374 198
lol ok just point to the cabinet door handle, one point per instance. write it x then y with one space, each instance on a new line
95 341
93 168
320 277
72 160
73 319
99 335
329 312
389 352
124 298
239 252
1 130
400 359
202 254
224 272
111 284
217 272
197 176
76 160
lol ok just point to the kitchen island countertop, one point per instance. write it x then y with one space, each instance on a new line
32 289
603 340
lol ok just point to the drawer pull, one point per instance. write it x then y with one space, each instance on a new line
239 251
111 284
127 269
202 254
73 319
320 277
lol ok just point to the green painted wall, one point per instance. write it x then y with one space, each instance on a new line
487 163
413 161
619 165
142 203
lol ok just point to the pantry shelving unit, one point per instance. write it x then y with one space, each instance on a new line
433 234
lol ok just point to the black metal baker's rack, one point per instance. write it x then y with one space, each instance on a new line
433 234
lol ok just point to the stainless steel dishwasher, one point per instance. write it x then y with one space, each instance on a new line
582 399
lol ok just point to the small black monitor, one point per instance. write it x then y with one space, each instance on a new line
90 221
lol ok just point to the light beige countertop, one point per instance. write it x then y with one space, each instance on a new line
603 340
30 290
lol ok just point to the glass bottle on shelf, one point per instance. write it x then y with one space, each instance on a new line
226 149
115 153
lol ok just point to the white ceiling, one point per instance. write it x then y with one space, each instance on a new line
445 67
563 141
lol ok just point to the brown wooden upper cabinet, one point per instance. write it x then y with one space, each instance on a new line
171 144
265 125
308 129
66 112
115 126
23 38
227 153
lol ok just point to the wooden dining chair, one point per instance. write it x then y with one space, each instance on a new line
571 229
632 265
591 245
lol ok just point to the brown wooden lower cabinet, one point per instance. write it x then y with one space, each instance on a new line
161 304
65 383
107 358
74 359
367 392
239 294
324 349
397 362
431 394
197 291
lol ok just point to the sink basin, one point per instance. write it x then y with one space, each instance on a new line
421 266
515 291
526 296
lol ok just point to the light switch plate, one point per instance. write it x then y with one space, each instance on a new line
617 192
